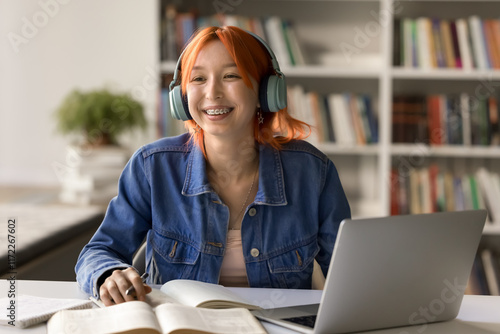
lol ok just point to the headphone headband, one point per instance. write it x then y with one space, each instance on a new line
274 61
177 71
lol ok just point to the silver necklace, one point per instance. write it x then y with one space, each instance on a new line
246 199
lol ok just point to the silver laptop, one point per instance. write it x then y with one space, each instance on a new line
390 272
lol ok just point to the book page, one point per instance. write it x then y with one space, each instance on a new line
201 294
156 297
186 319
121 318
31 310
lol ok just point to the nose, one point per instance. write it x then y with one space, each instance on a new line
214 89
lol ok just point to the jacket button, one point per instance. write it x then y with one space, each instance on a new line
254 252
252 212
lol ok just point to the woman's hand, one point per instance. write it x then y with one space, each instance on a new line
112 291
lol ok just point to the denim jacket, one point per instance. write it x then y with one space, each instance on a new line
164 196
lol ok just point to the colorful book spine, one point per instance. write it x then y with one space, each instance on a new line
454 119
434 188
463 43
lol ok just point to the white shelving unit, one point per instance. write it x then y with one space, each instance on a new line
322 28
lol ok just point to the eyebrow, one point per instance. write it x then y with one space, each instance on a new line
224 66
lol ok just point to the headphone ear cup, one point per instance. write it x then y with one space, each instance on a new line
264 105
178 104
272 93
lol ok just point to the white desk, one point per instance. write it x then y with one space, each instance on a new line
478 315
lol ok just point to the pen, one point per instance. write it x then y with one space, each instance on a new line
132 289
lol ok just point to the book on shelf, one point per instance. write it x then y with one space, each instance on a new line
425 50
397 43
478 42
434 119
477 284
464 50
439 119
489 184
491 265
168 47
493 50
447 41
455 44
494 121
394 193
276 40
432 189
356 118
409 119
320 132
485 275
494 26
408 51
343 118
179 306
439 46
462 43
177 27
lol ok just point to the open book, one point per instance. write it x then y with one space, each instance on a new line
139 317
179 306
195 294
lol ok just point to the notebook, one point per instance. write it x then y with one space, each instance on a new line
24 310
390 272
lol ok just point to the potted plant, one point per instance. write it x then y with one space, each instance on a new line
99 115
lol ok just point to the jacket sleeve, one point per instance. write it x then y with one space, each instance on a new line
333 208
125 225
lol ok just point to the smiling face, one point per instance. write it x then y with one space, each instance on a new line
219 100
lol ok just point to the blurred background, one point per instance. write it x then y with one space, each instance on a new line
49 49
78 44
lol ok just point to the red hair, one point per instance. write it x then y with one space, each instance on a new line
252 59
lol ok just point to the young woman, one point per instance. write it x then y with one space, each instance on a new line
239 200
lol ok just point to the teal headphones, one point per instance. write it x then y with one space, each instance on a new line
272 89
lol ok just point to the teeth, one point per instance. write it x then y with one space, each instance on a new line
217 111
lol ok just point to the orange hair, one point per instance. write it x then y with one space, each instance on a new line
253 59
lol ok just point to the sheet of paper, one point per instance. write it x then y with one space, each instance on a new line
113 319
224 321
28 310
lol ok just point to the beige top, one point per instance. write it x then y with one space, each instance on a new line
233 271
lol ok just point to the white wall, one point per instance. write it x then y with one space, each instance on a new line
82 44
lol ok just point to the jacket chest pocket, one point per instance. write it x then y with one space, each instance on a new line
177 258
294 268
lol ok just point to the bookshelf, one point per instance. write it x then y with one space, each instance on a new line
456 159
348 46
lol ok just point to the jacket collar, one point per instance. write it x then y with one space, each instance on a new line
271 181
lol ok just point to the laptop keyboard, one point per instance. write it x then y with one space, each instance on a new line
307 320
